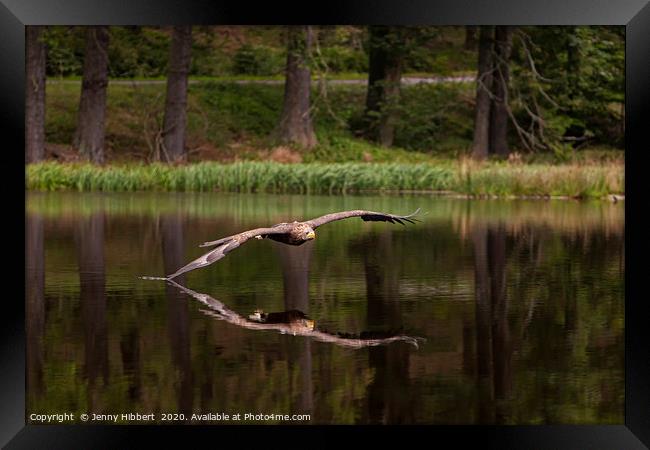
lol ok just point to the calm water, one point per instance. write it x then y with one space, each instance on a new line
521 304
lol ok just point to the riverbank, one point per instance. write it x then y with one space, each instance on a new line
459 177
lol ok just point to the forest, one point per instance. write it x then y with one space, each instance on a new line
489 110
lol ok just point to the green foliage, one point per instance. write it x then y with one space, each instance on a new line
435 118
258 60
65 49
576 86
235 110
344 59
578 102
138 52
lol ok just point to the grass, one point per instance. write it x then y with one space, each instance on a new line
231 128
229 121
499 179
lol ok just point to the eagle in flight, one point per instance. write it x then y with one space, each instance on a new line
296 233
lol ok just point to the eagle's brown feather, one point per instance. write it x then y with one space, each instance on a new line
295 233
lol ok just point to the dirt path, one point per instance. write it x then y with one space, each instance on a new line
405 81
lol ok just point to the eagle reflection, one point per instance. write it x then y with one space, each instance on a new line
293 322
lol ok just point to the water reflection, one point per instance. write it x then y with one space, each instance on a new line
494 348
295 262
178 326
34 304
89 240
521 305
291 322
388 395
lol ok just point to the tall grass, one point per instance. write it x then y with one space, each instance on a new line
494 179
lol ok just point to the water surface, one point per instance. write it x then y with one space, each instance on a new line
520 302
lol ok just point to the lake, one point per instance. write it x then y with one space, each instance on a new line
519 304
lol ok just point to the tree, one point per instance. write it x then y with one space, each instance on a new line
470 37
386 59
500 83
492 114
175 121
480 145
34 94
89 138
296 125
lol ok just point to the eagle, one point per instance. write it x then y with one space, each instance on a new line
295 322
295 233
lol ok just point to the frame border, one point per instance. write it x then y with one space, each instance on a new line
634 14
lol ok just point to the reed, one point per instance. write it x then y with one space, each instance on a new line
487 179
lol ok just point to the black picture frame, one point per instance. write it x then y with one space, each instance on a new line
634 14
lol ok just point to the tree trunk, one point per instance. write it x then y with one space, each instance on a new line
499 109
175 122
34 94
481 142
470 37
89 138
295 122
573 63
384 76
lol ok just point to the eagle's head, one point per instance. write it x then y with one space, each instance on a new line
307 233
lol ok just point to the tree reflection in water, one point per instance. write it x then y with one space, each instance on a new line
295 276
89 239
178 322
493 346
521 305
34 304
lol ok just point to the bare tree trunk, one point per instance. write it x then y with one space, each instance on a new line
175 122
501 78
384 77
89 138
470 37
572 63
34 94
295 122
480 145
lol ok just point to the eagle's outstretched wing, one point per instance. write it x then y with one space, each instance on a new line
228 244
368 216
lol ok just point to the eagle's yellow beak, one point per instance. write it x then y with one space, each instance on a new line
311 235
